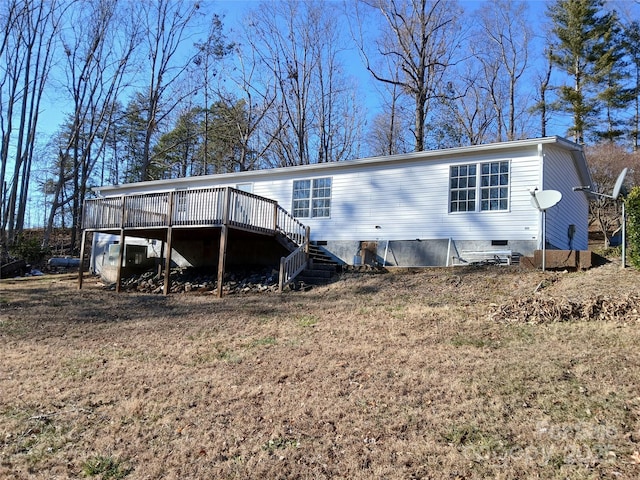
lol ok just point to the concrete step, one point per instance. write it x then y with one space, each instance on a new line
313 280
320 256
330 267
316 273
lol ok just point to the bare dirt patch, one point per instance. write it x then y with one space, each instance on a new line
438 374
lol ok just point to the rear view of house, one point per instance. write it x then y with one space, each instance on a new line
419 209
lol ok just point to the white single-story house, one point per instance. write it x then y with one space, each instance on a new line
416 209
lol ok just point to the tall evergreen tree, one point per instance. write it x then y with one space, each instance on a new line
175 152
584 49
133 131
631 43
228 120
613 94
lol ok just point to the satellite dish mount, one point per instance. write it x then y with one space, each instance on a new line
542 200
614 196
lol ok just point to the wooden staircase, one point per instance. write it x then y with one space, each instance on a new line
321 268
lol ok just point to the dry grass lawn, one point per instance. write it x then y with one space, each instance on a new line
459 374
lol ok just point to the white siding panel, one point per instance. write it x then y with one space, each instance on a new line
408 198
409 201
560 174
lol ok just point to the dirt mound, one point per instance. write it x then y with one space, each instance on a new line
540 310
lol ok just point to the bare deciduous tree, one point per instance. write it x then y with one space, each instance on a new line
315 113
26 48
209 53
502 46
421 37
606 161
470 119
543 89
166 27
260 96
98 44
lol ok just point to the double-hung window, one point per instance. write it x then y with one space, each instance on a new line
463 188
312 198
479 187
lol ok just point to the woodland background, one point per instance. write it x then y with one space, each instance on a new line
158 89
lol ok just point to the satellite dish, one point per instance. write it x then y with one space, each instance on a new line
618 186
544 199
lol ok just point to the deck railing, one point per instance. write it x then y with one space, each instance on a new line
198 208
105 213
193 208
204 207
150 210
252 212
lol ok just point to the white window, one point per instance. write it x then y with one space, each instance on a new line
245 187
463 188
494 186
312 198
488 182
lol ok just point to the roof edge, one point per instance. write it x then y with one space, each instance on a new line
425 154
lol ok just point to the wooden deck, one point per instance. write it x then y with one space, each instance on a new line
222 207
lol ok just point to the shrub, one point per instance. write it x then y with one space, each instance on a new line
28 249
632 204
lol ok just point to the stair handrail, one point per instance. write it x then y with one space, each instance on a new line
291 227
292 265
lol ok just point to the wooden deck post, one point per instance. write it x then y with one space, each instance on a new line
224 234
307 240
281 275
167 261
81 266
120 259
275 217
169 247
123 214
222 258
159 273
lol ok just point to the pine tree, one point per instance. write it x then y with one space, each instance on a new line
631 43
585 50
612 75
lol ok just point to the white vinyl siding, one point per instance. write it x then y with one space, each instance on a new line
560 175
408 197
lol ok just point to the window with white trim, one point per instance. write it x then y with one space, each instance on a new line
488 182
312 198
463 188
